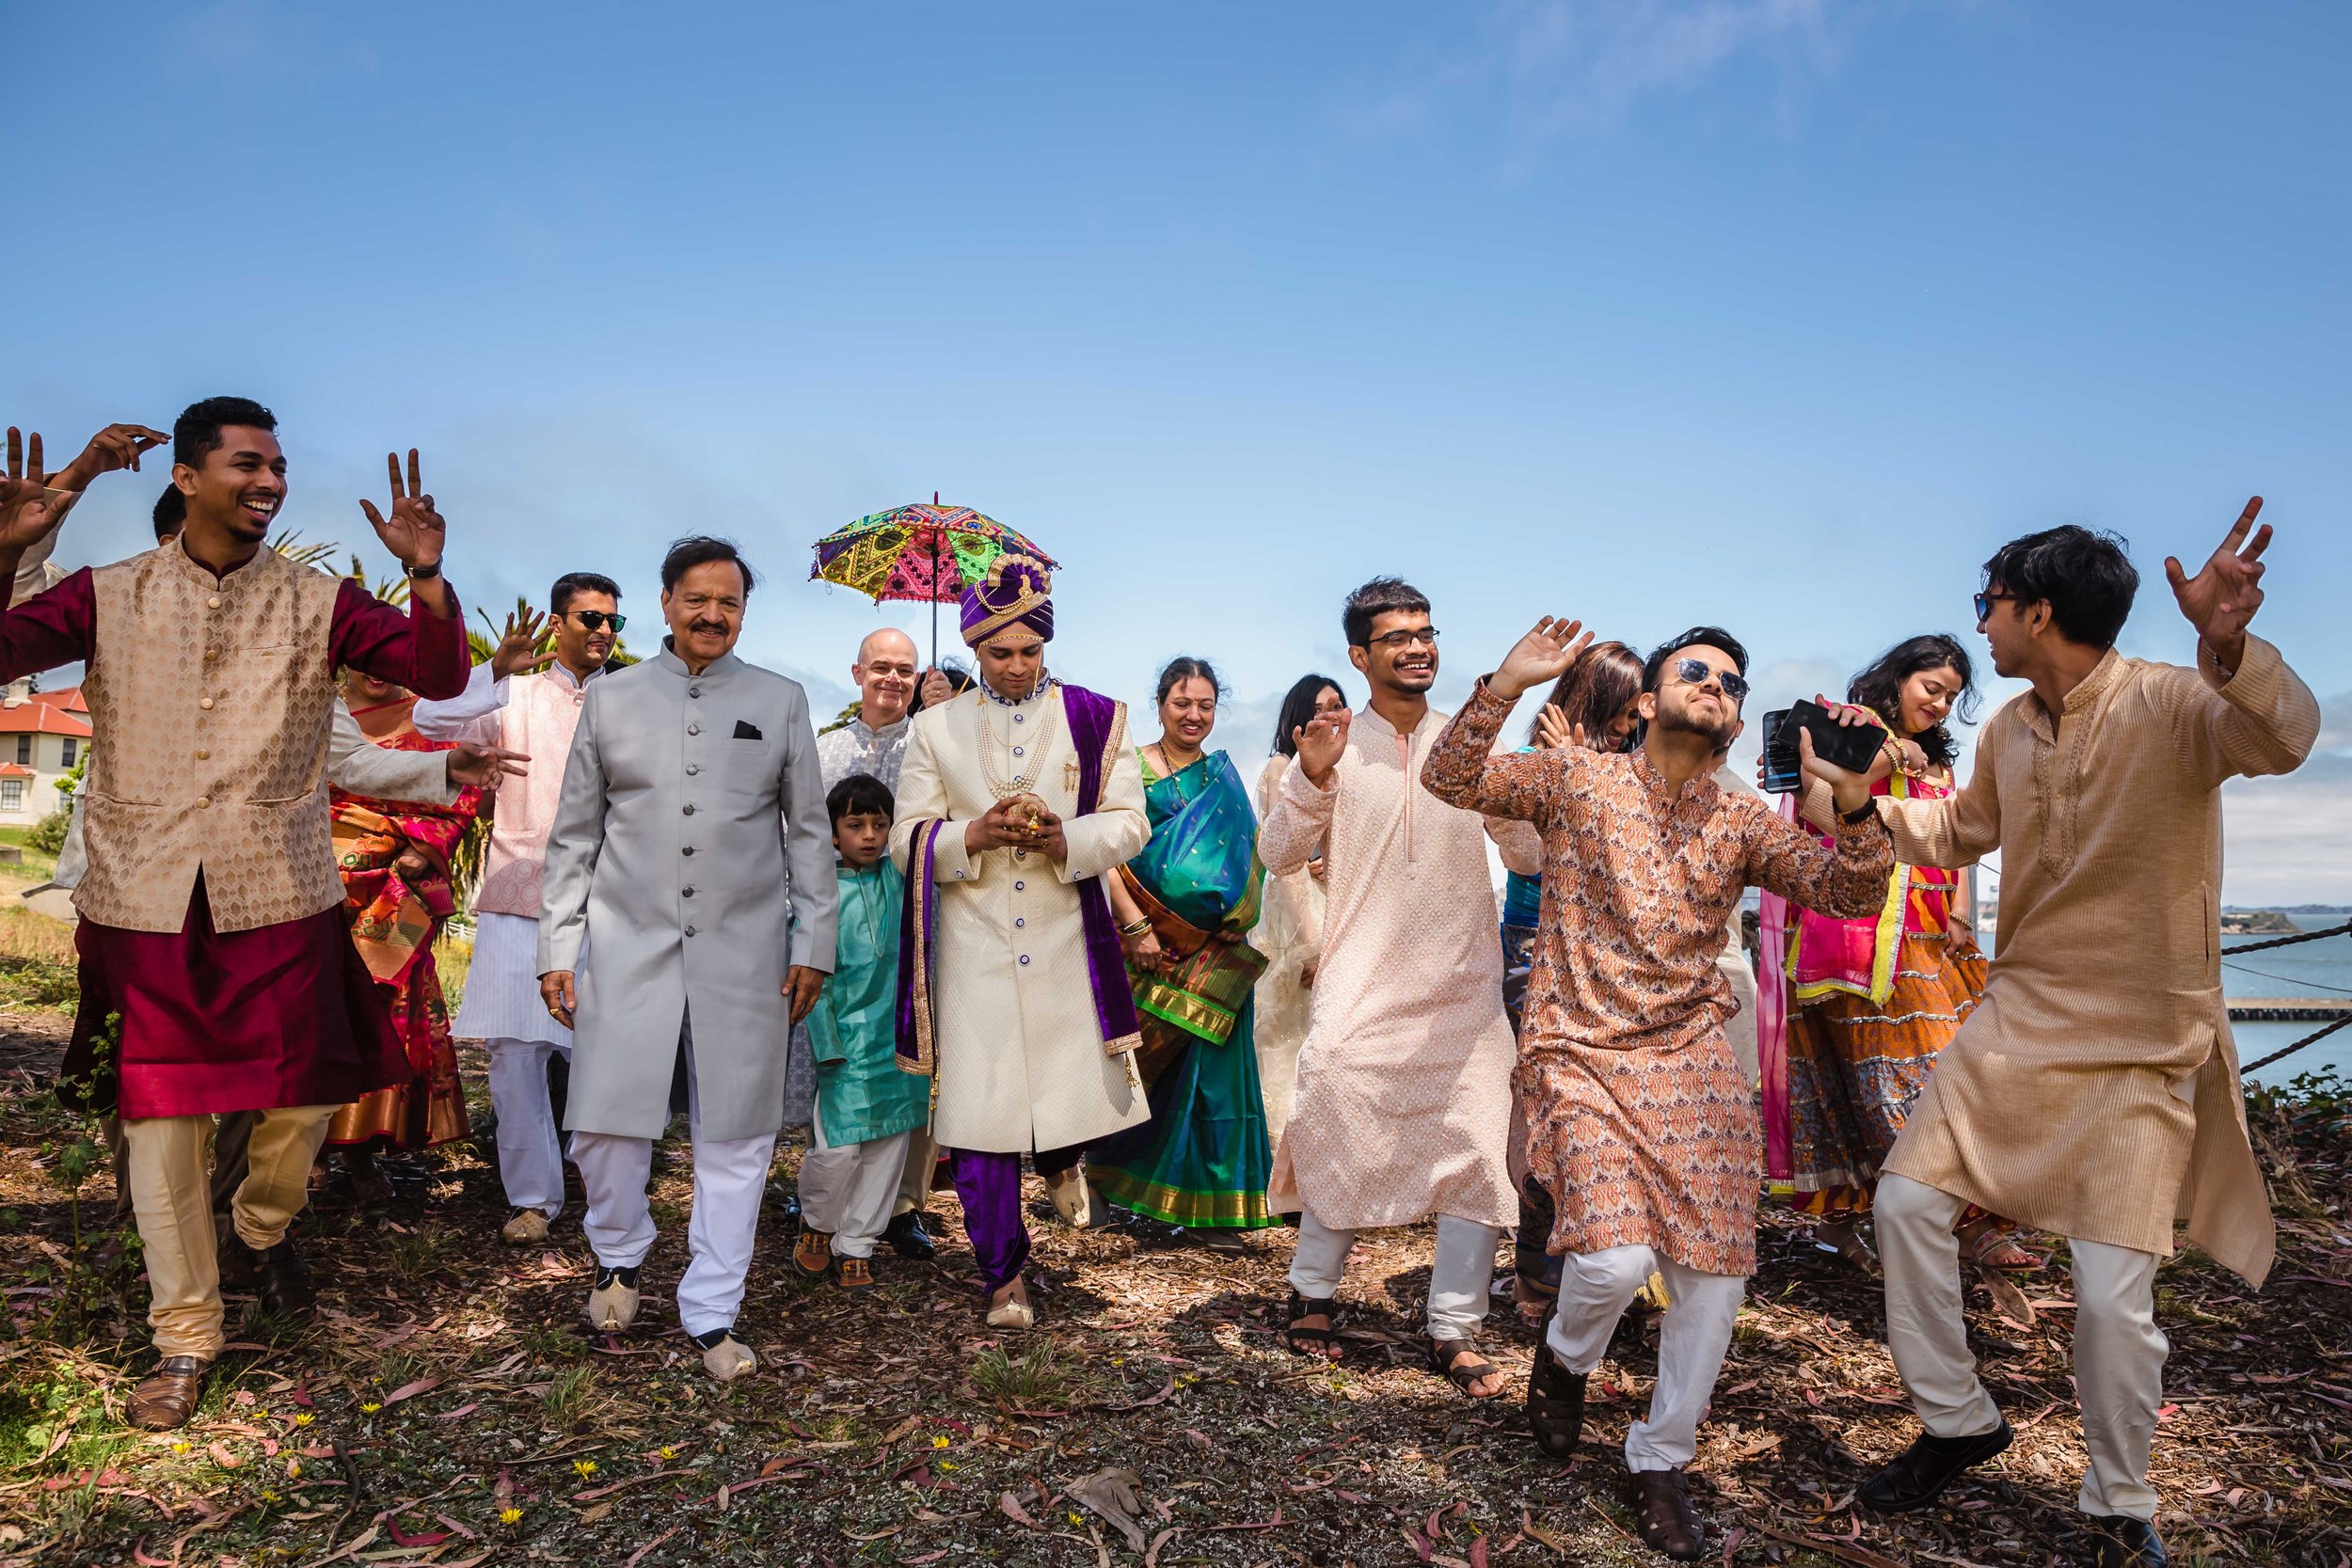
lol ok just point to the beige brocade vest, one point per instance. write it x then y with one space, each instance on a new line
211 702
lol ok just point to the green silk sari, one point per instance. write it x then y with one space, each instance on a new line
1203 1160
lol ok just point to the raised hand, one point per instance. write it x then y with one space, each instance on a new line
1553 731
2226 590
415 532
936 689
117 446
1320 740
518 652
28 512
472 767
1541 657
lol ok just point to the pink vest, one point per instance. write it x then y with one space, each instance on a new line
542 710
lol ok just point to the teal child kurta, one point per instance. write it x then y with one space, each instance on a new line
862 1092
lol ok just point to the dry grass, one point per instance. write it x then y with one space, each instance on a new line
446 1405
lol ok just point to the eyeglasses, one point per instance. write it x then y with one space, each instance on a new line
1397 641
597 619
1986 601
1694 671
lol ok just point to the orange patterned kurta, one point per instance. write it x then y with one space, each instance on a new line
1639 1118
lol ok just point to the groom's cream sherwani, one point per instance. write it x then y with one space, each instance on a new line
1020 1058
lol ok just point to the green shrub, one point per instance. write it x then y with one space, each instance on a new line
48 834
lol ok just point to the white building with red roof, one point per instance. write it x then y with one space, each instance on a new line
42 736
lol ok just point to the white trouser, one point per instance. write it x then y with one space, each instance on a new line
847 1190
1596 1288
1458 1279
730 1177
915 1187
2118 1351
531 1152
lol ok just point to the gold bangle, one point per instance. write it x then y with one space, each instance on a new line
1135 928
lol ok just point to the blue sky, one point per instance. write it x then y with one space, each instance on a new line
1777 313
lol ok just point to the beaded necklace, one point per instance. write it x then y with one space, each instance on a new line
1037 744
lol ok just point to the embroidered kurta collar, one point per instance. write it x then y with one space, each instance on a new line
2087 691
891 731
1699 790
1045 684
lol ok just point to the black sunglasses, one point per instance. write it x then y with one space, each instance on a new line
597 619
1986 601
1695 670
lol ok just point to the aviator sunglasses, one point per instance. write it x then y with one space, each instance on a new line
1695 670
597 619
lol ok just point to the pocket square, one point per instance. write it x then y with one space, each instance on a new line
747 730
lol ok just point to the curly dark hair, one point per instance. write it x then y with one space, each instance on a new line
1880 688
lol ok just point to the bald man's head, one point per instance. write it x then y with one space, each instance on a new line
885 674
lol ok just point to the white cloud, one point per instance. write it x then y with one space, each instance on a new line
2289 840
1570 67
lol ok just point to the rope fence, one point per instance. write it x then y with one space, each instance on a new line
2316 1034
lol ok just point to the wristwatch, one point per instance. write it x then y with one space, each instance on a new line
1859 815
424 574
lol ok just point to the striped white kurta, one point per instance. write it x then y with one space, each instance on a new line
1020 1058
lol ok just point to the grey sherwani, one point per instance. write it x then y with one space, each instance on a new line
693 856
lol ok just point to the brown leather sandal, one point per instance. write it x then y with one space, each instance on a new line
1663 1510
1445 1360
168 1395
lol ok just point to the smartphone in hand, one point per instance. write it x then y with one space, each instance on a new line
1852 747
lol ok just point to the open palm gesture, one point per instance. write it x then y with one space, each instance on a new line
518 652
28 512
1541 657
415 532
2226 590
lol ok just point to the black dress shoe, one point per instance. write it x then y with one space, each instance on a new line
1662 1507
1919 1474
909 1238
2127 1543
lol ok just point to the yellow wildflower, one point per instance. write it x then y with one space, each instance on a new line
947 1465
668 1452
1074 1517
509 1515
181 1447
584 1468
939 1442
369 1408
303 1420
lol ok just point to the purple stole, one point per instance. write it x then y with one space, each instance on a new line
1098 728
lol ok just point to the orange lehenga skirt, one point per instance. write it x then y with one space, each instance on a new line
394 919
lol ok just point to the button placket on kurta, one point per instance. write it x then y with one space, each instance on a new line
691 747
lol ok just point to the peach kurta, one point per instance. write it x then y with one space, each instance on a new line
1403 1103
2094 1091
1640 1119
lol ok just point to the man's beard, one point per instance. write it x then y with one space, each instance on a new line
1679 721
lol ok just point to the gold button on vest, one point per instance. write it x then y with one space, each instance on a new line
257 826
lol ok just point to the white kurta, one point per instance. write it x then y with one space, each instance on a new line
1020 1058
1403 1105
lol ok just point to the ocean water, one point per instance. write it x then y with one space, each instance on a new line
2321 968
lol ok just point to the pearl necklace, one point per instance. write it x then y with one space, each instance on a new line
1024 781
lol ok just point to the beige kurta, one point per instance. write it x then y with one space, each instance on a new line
1403 1103
1020 1058
2094 1090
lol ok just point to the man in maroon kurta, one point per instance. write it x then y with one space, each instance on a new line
216 973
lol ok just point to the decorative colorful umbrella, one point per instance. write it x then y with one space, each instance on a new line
923 552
